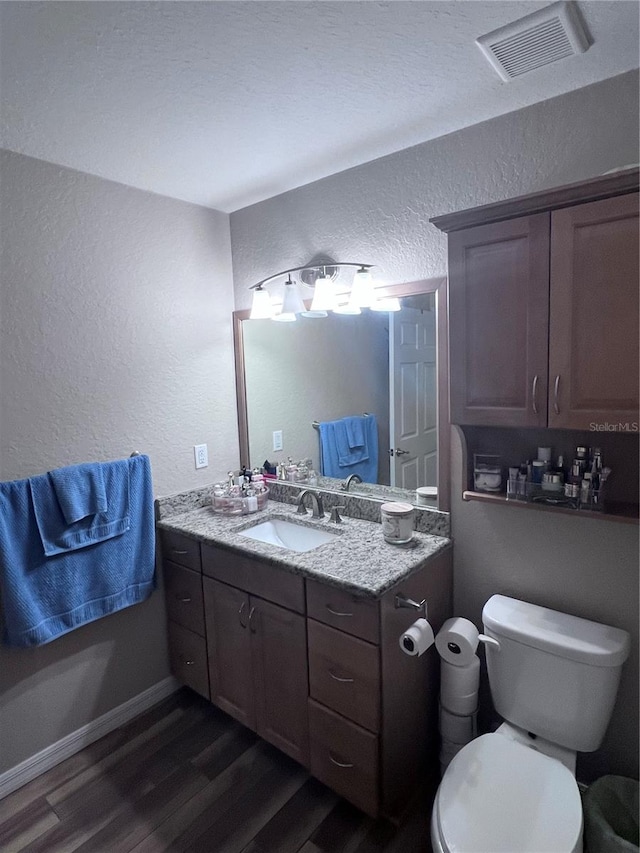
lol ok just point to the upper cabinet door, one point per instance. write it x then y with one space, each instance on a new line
499 311
593 350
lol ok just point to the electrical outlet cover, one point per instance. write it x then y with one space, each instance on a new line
201 455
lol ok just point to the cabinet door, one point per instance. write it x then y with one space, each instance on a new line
498 322
279 653
593 347
229 649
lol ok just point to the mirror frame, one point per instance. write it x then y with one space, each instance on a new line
437 286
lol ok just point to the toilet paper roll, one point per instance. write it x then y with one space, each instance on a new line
457 641
418 638
456 728
459 680
462 705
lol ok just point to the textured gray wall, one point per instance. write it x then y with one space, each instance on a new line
378 213
115 335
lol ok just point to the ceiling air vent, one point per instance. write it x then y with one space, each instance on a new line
535 40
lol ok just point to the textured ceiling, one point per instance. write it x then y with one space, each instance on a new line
228 103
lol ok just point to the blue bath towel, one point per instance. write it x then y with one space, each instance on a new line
356 431
80 490
331 443
46 597
56 533
351 441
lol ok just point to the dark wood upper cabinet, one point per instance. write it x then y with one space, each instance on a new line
499 308
543 308
594 331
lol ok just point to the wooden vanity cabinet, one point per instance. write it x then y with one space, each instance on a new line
313 669
543 309
257 648
181 569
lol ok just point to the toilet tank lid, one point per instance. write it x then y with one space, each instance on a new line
567 636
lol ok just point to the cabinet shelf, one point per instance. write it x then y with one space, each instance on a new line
616 511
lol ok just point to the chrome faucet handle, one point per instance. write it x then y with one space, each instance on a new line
302 510
335 514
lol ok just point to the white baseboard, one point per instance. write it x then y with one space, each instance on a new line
48 757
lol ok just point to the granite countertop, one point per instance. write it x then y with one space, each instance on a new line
358 560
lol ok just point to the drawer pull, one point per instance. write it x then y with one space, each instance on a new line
338 763
341 680
185 599
556 387
251 628
336 612
189 662
178 551
240 612
534 395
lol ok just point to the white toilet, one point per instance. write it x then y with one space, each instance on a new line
554 679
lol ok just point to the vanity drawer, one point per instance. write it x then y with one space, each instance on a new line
340 609
344 757
344 674
180 549
188 658
183 590
254 576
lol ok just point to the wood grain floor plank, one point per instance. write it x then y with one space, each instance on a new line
218 795
239 824
344 828
300 816
141 818
135 749
26 825
224 751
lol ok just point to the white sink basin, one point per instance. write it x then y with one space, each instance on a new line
287 534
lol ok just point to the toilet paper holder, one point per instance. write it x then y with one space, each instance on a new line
420 606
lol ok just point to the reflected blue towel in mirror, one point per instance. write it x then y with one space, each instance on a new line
338 460
46 597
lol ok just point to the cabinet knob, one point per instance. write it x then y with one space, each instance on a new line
189 662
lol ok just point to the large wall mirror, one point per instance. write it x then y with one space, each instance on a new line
290 376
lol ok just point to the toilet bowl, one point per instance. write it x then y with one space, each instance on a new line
501 796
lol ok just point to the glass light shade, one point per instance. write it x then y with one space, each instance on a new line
362 294
324 297
292 303
347 308
283 317
386 303
314 315
261 307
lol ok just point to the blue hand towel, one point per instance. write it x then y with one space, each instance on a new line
329 456
346 454
57 536
45 597
80 490
355 427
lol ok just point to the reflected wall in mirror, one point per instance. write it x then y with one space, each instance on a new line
393 365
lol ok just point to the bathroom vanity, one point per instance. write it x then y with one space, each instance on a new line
303 648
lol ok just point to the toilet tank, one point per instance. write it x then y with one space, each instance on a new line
554 675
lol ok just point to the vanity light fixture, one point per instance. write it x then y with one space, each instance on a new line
321 278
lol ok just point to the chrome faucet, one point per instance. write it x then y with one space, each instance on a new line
352 478
317 510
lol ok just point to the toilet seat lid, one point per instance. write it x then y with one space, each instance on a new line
500 795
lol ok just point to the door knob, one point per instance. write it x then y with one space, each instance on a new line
399 452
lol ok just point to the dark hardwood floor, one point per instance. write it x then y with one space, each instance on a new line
186 777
